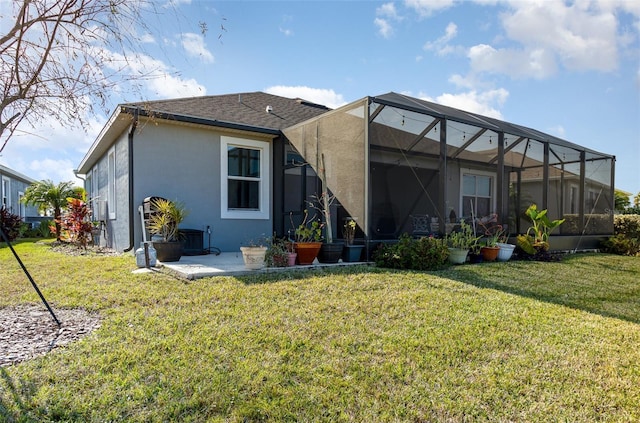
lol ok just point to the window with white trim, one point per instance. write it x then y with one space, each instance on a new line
21 207
88 186
6 193
477 194
244 178
111 166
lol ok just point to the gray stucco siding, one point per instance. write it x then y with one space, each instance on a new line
116 219
182 163
17 184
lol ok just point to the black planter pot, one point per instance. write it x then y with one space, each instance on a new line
168 251
475 258
330 253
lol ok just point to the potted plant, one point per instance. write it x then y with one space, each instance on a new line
277 254
490 248
254 253
291 253
351 252
475 252
459 243
163 224
330 252
536 240
308 239
506 249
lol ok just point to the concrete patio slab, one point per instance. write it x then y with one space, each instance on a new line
225 264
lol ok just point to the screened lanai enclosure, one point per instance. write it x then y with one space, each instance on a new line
398 165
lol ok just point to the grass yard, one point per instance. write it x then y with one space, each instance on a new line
516 341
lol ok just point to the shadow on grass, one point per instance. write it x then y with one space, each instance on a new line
20 394
300 274
572 282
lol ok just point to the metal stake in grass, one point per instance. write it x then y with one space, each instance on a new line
26 272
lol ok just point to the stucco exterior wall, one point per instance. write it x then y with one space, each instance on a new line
116 218
182 163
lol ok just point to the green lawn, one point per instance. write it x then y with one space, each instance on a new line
516 341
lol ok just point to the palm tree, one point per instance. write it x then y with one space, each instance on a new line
48 196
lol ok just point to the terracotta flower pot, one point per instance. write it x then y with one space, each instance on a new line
490 253
307 251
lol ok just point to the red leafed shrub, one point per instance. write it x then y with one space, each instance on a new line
75 222
10 224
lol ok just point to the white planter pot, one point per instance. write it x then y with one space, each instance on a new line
458 255
253 257
506 250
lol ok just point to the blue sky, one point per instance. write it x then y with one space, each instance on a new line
571 69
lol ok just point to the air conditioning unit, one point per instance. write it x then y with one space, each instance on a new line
100 210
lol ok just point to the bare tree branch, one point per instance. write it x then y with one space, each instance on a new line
62 59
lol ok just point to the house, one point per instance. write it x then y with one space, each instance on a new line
13 184
247 165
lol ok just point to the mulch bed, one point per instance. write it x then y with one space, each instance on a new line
28 330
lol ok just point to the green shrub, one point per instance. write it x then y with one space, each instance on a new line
626 240
424 253
627 224
621 245
44 230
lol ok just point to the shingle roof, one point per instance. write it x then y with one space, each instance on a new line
243 109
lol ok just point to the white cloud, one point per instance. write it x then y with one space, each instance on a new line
385 15
426 8
441 45
466 82
483 103
147 39
155 76
388 10
50 151
56 170
536 63
577 36
384 27
326 97
195 47
175 3
286 32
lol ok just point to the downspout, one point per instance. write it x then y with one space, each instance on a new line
134 125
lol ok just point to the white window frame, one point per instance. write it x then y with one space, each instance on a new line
473 172
574 200
6 193
111 182
21 207
264 210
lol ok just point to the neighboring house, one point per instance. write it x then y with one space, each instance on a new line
246 165
12 187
